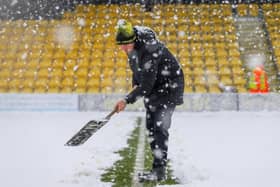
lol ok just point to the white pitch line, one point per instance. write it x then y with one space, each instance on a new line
140 156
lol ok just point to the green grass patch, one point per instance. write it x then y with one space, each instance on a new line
121 172
171 180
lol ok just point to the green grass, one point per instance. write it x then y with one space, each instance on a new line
122 171
171 180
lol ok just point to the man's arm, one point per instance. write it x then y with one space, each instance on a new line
148 78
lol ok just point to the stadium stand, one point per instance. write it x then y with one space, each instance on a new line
76 53
272 18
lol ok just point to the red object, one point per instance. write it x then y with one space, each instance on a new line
260 83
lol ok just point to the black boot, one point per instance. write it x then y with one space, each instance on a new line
156 175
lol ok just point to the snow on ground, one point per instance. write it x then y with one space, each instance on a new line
230 149
222 149
33 152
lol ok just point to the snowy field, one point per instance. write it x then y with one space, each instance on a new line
225 149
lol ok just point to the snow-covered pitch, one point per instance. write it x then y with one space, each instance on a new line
222 149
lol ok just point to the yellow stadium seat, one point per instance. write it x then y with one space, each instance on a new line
200 89
28 85
83 62
72 54
211 71
202 43
221 52
121 63
187 71
208 45
242 9
19 64
184 53
43 73
221 45
237 70
106 82
3 85
197 53
54 85
225 71
239 81
188 80
109 62
53 90
32 64
67 82
226 80
15 85
242 89
120 73
214 89
188 89
56 73
120 85
6 64
185 62
30 73
80 90
48 52
197 62
93 90
59 53
108 72
41 85
93 83
17 73
198 71
218 28
80 85
235 62
69 64
223 61
85 53
94 73
82 72
58 63
210 62
209 53
68 73
199 80
234 52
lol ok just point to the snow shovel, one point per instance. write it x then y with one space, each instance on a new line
88 130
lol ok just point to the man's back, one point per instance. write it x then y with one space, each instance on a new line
151 55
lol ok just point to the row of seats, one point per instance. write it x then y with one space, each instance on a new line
272 20
248 10
78 54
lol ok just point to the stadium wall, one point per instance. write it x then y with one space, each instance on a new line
101 102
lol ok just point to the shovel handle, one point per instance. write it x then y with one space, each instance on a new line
111 114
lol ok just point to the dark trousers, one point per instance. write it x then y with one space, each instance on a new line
158 121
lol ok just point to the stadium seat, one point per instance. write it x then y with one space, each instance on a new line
54 85
41 85
203 43
67 85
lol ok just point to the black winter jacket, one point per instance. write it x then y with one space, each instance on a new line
157 75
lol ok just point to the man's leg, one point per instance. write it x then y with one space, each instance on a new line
158 122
